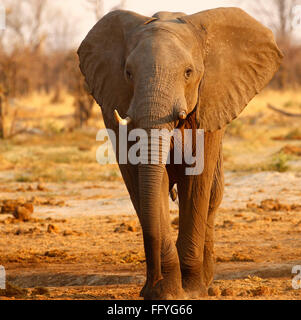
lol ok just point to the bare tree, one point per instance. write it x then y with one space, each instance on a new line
285 17
35 23
119 6
97 6
285 113
279 15
62 31
2 113
276 14
26 23
14 23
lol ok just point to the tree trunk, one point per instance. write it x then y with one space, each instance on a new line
1 118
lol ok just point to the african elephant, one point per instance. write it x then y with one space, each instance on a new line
177 71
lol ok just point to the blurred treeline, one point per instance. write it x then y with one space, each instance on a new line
284 18
35 52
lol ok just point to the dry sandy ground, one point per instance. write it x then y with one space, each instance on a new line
84 240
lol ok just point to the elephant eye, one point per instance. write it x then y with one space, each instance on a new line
188 73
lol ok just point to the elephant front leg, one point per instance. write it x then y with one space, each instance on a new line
194 197
170 286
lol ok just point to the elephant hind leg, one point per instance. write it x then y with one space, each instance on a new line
216 197
195 197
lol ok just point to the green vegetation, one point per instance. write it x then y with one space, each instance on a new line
279 163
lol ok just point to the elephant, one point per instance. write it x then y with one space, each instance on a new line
170 71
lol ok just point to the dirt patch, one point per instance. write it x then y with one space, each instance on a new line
127 227
56 253
274 205
294 134
236 257
11 206
291 150
262 291
13 291
52 228
32 188
100 256
20 209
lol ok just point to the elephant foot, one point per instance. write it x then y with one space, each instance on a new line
165 289
194 286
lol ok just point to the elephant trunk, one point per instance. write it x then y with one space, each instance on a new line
150 179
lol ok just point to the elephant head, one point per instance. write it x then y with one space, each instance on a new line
158 70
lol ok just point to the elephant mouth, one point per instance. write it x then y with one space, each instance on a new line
182 115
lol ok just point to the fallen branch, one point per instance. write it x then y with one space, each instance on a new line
288 114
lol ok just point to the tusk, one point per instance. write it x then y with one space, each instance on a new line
182 115
123 122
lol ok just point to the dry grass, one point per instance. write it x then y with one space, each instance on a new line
288 99
52 152
56 159
249 143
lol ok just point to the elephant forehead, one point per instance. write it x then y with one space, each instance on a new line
175 31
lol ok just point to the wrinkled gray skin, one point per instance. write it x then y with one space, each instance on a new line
210 65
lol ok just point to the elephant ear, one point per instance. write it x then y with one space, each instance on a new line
240 58
102 59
